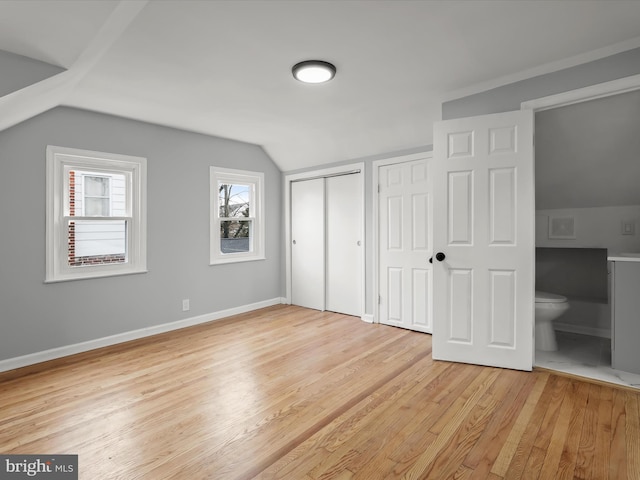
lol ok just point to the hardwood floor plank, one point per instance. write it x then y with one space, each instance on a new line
602 452
343 429
534 465
512 399
418 435
633 435
572 441
618 464
337 439
454 418
392 421
451 458
548 423
510 445
552 393
291 393
560 430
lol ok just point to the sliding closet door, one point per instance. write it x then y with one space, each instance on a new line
307 244
344 244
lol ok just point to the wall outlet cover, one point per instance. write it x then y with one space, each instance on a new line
562 227
628 227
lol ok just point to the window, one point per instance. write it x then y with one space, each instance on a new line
237 227
96 214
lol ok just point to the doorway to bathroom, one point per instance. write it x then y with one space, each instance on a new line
587 206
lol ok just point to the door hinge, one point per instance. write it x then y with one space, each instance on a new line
379 299
378 188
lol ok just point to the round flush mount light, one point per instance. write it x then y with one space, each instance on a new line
313 71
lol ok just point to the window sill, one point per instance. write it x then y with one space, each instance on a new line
94 275
223 261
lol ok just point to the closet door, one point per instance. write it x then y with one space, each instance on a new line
307 244
344 244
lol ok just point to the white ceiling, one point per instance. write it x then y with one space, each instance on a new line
223 67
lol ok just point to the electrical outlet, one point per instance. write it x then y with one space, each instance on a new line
185 305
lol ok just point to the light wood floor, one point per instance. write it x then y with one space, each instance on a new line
297 394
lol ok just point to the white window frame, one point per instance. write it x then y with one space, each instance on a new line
59 161
255 180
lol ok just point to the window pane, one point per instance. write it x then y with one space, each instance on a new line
235 236
96 207
97 242
233 200
97 194
96 186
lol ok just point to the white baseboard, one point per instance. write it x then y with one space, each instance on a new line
46 355
367 317
583 330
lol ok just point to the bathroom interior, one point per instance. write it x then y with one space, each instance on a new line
587 229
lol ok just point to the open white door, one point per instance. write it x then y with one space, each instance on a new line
483 232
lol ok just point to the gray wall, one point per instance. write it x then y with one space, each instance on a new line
35 316
19 72
509 97
588 154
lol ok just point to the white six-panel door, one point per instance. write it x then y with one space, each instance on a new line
404 245
483 289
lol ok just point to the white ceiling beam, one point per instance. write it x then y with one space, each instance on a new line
51 92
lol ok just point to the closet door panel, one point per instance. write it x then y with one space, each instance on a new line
344 244
308 249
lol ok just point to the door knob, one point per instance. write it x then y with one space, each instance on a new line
294 242
440 256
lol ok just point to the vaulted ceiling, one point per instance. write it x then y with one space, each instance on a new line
224 67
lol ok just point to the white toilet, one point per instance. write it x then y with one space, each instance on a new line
549 306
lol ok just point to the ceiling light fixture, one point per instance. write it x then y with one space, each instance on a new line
313 71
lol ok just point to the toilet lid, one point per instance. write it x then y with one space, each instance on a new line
544 297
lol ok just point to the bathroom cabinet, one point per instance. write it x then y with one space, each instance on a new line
625 313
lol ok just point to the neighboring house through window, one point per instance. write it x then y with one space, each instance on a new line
237 227
96 214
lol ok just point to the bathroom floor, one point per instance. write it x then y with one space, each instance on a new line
585 356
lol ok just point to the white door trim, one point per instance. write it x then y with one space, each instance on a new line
592 92
579 95
376 226
342 169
